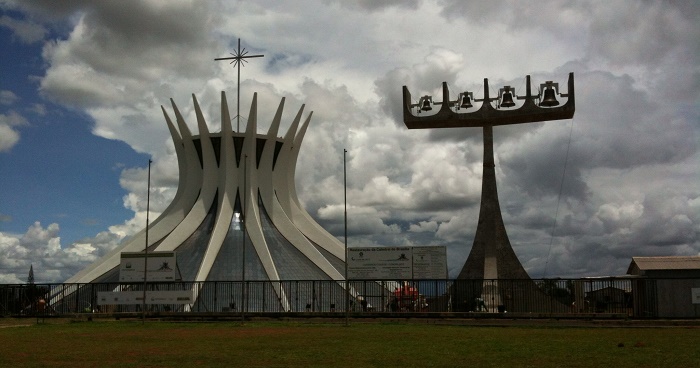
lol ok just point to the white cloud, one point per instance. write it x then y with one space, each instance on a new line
25 31
41 248
7 97
423 226
38 109
12 250
456 227
9 121
9 135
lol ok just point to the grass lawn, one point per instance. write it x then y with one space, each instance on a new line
281 344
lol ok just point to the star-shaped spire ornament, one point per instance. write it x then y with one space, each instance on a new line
237 58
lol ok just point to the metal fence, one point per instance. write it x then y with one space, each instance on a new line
634 297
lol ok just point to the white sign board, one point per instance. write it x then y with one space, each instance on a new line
162 266
397 263
430 262
379 263
152 297
695 293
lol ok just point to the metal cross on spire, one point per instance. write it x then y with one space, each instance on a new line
239 57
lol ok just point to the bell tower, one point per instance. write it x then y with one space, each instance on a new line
492 257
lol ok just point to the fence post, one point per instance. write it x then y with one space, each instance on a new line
264 295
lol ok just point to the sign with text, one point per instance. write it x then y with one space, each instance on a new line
430 262
162 266
381 263
397 263
152 297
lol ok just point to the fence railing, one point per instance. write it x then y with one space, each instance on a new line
636 297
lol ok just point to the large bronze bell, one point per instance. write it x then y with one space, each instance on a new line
466 101
549 98
507 99
426 104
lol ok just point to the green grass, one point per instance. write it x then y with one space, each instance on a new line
273 344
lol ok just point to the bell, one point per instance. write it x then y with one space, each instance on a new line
549 98
426 104
507 100
466 101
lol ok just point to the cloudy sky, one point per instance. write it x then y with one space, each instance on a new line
82 82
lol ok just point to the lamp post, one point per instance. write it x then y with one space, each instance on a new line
243 223
145 250
345 196
491 256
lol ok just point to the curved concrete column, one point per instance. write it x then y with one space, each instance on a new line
187 192
301 218
250 193
209 186
279 193
266 163
227 196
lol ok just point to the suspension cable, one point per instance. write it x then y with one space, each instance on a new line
561 187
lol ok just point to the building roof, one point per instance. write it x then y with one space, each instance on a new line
642 264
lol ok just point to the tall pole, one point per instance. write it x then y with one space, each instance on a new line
345 195
238 94
145 250
245 189
239 57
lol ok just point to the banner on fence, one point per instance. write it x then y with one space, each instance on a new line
397 263
152 297
162 266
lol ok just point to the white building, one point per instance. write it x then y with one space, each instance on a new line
236 198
